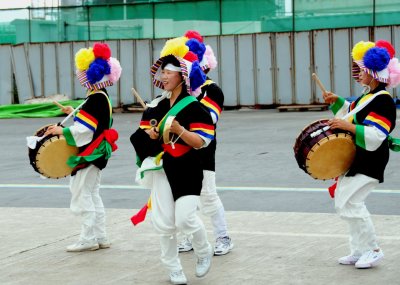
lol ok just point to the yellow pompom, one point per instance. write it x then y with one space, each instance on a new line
83 58
176 46
360 49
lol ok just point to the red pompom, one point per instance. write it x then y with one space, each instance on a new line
102 50
387 46
191 34
191 56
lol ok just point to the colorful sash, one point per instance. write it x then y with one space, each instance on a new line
175 110
103 145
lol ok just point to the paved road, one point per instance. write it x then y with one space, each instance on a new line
280 219
256 169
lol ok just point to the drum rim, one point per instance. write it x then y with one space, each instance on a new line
303 130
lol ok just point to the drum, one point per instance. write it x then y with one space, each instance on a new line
166 133
324 153
49 158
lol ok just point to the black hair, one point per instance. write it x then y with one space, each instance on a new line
170 59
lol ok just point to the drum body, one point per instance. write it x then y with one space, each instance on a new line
50 156
324 154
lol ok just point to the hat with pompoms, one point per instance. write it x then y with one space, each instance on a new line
377 59
207 58
95 68
393 66
372 59
192 74
188 52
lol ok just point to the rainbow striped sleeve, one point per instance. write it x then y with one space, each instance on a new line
212 106
381 123
87 120
145 125
203 130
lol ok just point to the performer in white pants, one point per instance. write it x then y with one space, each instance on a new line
176 179
169 215
371 127
212 98
92 134
87 203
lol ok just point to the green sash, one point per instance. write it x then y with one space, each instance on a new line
172 112
175 110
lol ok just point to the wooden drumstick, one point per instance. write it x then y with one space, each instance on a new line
134 92
59 105
319 83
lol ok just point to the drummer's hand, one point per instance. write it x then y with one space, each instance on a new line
54 130
342 124
153 133
176 128
329 97
67 109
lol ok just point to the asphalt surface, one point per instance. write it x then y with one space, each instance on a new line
255 166
281 220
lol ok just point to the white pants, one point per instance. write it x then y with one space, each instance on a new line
211 205
350 195
169 216
87 203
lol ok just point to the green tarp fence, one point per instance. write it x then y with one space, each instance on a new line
40 110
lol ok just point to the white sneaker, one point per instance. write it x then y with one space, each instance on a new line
369 259
104 243
177 277
203 265
83 246
223 245
348 260
185 245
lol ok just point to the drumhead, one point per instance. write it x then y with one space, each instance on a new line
166 132
52 156
331 157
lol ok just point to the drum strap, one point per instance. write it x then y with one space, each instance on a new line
361 106
108 100
394 143
351 113
103 145
175 110
141 215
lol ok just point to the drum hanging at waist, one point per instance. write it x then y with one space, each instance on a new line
324 153
50 156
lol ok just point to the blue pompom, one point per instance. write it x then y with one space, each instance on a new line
197 76
196 47
376 58
97 69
